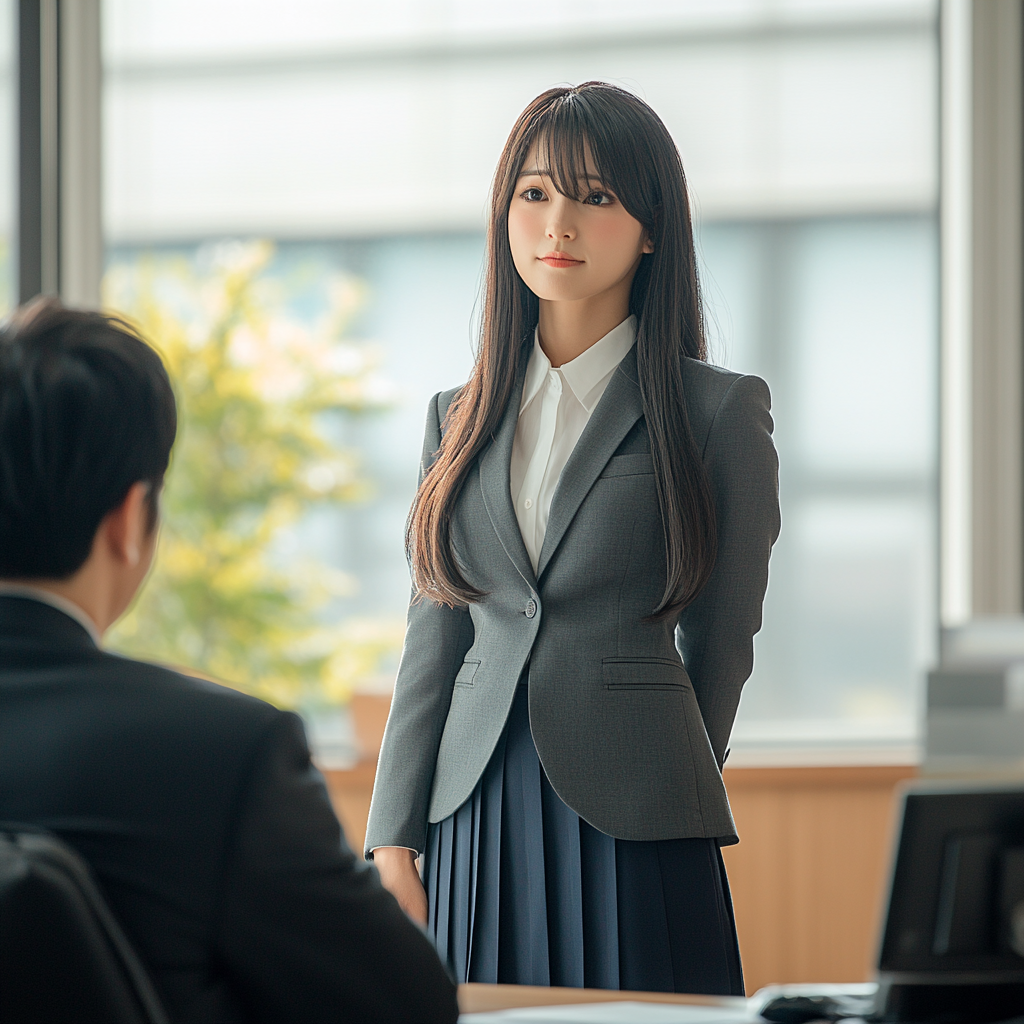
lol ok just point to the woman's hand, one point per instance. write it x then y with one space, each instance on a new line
397 867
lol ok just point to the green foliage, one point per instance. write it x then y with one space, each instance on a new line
256 392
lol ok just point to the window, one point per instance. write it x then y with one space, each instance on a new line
359 139
838 314
8 154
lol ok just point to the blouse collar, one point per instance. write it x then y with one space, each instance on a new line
586 371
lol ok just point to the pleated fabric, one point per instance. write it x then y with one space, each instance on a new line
522 891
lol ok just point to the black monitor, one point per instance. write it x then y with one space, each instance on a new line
953 941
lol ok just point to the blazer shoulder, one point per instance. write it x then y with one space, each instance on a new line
709 388
191 696
437 409
442 401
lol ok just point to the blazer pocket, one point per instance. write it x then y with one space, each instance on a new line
644 674
466 673
637 464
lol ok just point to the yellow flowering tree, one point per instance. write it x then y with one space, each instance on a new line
256 389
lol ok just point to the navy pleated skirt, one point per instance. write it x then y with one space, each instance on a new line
522 891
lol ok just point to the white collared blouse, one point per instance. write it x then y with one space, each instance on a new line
556 406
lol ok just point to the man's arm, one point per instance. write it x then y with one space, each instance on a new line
306 931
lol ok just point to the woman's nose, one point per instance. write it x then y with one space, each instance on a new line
561 226
560 231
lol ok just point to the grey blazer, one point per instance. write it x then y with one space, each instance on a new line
630 718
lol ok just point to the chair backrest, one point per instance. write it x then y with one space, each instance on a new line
63 957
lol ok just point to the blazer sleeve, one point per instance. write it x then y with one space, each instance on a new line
437 639
305 931
716 631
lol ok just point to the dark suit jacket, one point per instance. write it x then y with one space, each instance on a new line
210 832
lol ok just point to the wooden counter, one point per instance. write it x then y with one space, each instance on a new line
809 874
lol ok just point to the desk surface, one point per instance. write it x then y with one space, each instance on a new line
477 998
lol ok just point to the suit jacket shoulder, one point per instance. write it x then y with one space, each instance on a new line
437 409
192 691
443 401
709 389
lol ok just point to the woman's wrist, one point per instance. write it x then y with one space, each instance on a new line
394 855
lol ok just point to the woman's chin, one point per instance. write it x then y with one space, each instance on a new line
558 291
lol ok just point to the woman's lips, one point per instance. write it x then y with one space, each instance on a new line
560 259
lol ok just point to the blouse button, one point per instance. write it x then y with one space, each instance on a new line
528 503
531 608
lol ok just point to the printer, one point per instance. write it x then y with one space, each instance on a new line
974 716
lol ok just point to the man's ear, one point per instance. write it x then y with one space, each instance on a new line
126 527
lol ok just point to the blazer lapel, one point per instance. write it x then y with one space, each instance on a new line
620 407
496 488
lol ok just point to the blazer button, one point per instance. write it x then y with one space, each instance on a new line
531 608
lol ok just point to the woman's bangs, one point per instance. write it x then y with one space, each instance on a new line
563 141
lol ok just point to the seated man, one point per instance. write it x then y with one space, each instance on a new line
207 827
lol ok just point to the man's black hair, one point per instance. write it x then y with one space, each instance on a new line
86 411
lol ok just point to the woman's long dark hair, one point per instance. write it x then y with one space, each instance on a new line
637 159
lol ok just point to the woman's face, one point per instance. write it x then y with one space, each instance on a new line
567 249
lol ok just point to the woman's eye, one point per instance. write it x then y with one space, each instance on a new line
598 199
532 195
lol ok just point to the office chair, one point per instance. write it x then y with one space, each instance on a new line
63 957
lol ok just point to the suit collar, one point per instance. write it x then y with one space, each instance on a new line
27 620
494 483
620 407
62 604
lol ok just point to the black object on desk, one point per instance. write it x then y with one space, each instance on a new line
800 1009
953 944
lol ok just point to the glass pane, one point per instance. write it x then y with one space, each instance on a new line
864 329
839 316
8 155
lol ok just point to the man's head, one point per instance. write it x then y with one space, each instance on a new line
87 421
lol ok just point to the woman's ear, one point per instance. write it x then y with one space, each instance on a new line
648 246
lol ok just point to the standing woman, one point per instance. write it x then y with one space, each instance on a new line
589 547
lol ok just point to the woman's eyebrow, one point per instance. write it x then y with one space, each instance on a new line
532 173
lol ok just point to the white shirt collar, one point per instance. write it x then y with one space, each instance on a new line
62 604
586 371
